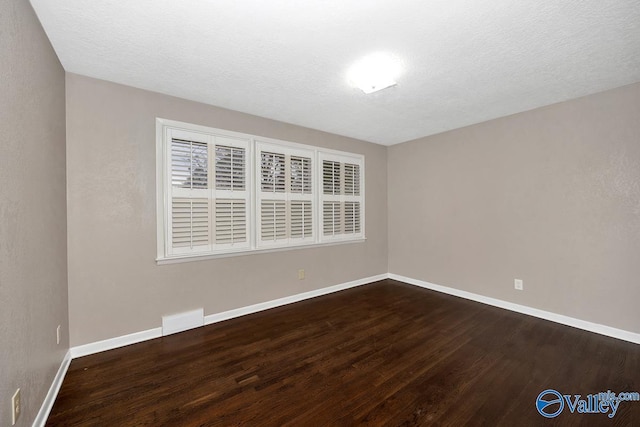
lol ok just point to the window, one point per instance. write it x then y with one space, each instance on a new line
285 195
222 192
341 197
209 199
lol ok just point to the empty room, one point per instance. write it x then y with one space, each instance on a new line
319 213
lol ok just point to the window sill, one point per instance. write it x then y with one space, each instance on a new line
204 257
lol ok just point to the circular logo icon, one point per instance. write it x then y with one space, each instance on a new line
547 401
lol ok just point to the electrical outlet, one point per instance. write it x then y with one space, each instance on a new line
518 284
300 274
58 335
16 407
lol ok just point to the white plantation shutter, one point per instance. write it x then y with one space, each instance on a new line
351 206
230 166
285 195
272 196
208 209
351 217
331 218
272 172
341 197
301 219
190 225
301 198
189 230
331 206
231 221
351 179
331 177
230 193
273 218
301 175
189 164
222 192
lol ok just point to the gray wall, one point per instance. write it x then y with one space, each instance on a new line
33 235
115 286
550 196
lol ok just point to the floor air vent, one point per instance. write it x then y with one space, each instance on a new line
182 321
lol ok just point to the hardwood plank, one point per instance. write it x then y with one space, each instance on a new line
382 354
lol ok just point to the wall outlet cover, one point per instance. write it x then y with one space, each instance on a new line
16 407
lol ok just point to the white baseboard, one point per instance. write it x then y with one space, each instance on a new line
50 398
121 341
137 337
225 315
117 342
111 343
547 315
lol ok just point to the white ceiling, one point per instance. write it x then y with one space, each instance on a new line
466 61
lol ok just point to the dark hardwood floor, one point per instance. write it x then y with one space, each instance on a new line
382 354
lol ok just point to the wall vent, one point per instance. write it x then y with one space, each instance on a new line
182 321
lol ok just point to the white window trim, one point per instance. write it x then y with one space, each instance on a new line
253 246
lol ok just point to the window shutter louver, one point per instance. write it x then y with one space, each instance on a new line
230 218
331 218
190 225
300 175
273 220
351 217
189 164
230 168
301 219
351 179
272 174
331 177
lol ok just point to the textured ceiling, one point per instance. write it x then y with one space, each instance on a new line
465 61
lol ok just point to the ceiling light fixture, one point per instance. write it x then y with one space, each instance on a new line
375 72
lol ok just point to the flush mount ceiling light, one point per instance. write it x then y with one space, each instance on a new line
375 72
